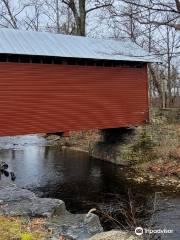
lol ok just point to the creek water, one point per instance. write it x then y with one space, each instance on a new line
85 183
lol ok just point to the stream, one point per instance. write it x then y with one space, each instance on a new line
85 183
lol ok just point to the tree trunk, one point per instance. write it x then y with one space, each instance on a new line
158 84
79 15
57 16
169 97
81 28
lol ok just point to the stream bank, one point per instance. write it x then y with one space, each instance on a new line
83 183
56 222
151 151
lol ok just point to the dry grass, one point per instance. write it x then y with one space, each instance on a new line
166 150
164 137
12 228
166 140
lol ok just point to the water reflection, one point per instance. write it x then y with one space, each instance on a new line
80 181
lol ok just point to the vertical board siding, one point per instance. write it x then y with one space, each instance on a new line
42 98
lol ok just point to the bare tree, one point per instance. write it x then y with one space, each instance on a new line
59 17
9 13
32 19
152 26
172 7
80 11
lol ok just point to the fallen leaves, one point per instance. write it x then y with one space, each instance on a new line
166 169
12 228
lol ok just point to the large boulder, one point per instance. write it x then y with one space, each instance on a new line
15 201
114 235
75 226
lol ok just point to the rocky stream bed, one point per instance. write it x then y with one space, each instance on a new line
17 202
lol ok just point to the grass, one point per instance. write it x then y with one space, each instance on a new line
158 144
158 140
165 134
12 228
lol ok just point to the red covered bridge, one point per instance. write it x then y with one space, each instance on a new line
59 83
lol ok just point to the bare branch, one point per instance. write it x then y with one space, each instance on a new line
98 7
162 7
12 18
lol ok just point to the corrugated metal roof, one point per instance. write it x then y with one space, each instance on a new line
59 45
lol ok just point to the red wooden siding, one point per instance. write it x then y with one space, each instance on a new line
39 98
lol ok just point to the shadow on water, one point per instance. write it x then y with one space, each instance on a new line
84 183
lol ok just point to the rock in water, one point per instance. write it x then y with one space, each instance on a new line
114 235
75 226
15 201
22 202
